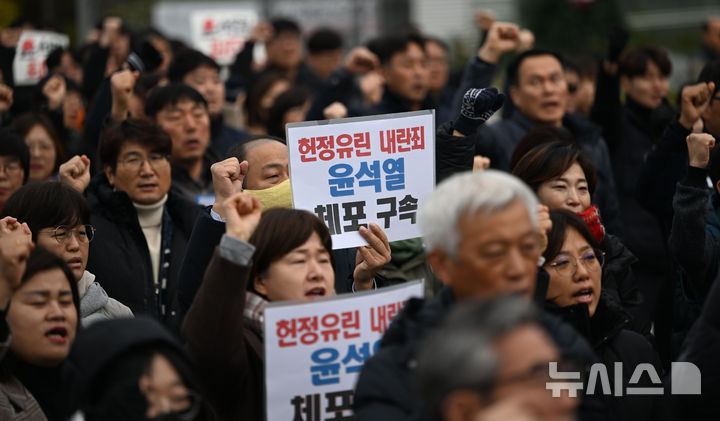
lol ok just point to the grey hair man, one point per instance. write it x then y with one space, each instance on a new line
494 366
482 240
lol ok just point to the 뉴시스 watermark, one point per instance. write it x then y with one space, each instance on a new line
685 380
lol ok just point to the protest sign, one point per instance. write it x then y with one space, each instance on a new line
32 49
220 34
315 351
353 171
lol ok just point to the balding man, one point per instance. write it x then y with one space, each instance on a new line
260 166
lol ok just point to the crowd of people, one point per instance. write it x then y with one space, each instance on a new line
146 224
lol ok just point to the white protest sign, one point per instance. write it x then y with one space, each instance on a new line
220 34
315 351
32 49
353 171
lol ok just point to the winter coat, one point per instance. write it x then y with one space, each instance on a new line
119 253
695 235
384 390
223 137
613 343
16 402
702 347
619 282
95 305
229 356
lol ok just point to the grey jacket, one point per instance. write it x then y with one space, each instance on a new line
95 305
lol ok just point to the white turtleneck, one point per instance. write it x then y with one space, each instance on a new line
150 218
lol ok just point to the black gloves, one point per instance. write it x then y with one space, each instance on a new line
478 105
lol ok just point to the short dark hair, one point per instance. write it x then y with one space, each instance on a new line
27 121
187 61
550 160
41 260
132 130
537 136
387 46
12 144
285 25
562 219
281 230
163 96
145 84
585 65
47 204
293 97
513 68
634 61
324 39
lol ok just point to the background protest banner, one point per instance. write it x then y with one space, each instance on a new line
354 171
220 34
32 49
315 351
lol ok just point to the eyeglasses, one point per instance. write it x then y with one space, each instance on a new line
135 161
11 168
63 233
592 260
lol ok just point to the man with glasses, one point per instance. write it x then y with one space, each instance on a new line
142 224
14 163
59 220
483 240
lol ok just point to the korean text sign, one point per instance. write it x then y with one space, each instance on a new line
315 351
220 34
353 171
32 49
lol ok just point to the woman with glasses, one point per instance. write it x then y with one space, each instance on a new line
59 219
564 178
574 261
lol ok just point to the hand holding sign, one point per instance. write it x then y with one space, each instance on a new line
6 98
242 212
370 258
699 146
228 176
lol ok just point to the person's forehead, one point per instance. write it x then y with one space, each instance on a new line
509 223
9 158
131 146
542 64
525 346
412 51
203 71
184 104
266 153
433 48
